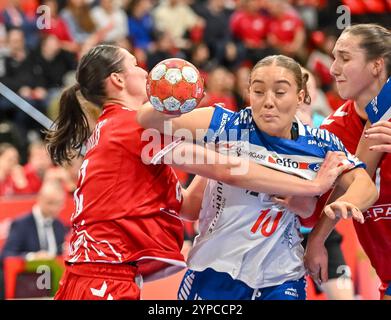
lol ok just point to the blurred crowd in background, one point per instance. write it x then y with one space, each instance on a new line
40 47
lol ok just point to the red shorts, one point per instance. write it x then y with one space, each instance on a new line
98 281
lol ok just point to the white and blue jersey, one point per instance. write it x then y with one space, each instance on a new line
379 109
241 232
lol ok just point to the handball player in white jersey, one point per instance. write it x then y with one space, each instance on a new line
249 247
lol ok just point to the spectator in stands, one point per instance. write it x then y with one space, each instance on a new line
286 29
164 49
218 89
216 18
140 24
59 28
55 63
36 167
108 15
24 77
39 234
12 178
318 109
200 57
249 26
320 59
177 18
77 16
67 174
241 93
14 17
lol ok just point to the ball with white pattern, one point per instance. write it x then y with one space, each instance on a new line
175 86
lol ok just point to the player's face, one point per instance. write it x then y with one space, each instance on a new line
350 68
274 99
135 77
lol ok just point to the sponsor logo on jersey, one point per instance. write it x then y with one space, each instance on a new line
251 154
289 163
218 205
379 212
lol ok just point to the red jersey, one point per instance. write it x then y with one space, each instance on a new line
125 210
375 234
251 28
59 29
286 27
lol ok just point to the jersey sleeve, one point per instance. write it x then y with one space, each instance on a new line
337 145
220 118
379 109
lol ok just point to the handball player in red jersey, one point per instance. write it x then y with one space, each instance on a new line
362 65
125 225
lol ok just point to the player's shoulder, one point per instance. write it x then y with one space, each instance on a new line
118 116
341 116
323 137
241 118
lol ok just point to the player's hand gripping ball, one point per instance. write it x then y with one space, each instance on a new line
175 86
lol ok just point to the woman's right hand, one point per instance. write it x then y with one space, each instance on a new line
316 260
343 209
334 164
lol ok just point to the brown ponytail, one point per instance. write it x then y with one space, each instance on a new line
307 97
70 129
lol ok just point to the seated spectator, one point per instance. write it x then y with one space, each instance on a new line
140 24
320 59
67 175
77 16
23 76
200 57
59 28
313 112
164 49
249 26
38 163
177 18
14 17
12 178
39 234
286 29
218 89
55 63
241 93
216 17
108 15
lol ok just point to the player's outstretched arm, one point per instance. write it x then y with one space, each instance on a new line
249 175
315 257
360 194
198 119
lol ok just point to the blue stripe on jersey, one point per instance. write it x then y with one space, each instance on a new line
381 104
239 126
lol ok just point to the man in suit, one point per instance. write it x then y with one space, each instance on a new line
39 234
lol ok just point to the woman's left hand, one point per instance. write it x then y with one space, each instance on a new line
381 133
302 206
343 209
